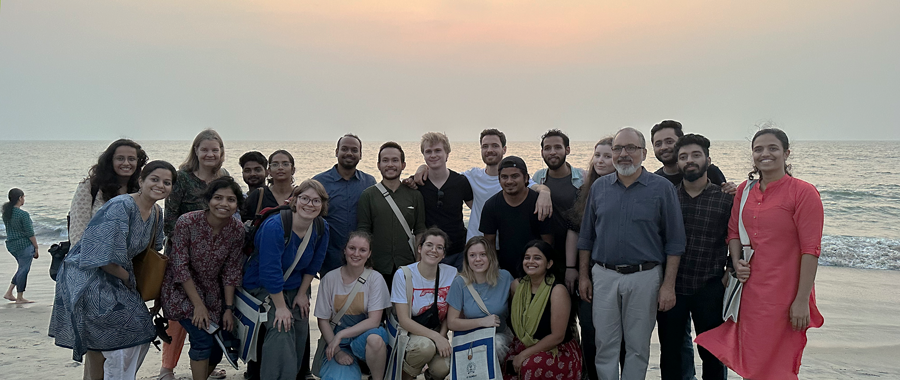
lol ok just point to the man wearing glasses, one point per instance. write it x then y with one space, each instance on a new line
632 238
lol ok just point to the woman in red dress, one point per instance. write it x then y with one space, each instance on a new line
783 217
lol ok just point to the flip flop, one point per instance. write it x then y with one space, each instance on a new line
217 373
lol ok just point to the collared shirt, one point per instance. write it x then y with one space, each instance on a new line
577 176
390 244
633 225
343 197
706 228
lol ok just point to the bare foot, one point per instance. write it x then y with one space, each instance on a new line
22 300
9 297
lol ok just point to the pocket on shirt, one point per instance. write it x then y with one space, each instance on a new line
646 210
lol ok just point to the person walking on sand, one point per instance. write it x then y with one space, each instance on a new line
20 242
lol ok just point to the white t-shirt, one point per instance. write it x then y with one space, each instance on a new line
423 290
484 186
373 295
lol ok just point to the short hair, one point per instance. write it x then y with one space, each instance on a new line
253 156
391 144
192 162
493 132
555 133
493 266
433 231
692 138
159 164
637 132
320 191
434 138
224 182
348 135
358 234
666 124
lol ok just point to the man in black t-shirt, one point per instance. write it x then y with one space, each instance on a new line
509 216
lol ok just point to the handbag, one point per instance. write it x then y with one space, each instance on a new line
474 354
731 305
319 357
398 337
431 318
250 313
150 267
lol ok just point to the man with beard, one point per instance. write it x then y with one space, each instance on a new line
253 169
664 135
344 184
698 285
509 214
632 229
391 246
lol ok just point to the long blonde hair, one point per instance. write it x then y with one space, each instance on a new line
493 268
192 163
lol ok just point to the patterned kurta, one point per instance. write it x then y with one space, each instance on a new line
83 209
212 261
19 231
93 310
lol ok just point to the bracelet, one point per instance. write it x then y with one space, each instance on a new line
229 307
571 267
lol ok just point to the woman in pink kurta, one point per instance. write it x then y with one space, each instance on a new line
783 217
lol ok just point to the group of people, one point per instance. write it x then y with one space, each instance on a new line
614 249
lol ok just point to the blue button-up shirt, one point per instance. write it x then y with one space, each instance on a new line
343 196
633 225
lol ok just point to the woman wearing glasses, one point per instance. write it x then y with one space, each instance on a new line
287 328
281 182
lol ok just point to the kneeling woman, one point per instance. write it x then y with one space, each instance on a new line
428 343
543 346
205 264
96 306
358 335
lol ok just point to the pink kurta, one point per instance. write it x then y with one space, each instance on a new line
783 222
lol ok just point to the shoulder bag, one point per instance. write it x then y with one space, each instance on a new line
150 267
319 357
398 337
732 302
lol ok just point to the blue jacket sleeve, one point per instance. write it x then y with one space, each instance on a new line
319 250
270 242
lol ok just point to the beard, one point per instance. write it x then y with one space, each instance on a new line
672 158
559 163
694 175
627 169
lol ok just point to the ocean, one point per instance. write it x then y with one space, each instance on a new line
859 181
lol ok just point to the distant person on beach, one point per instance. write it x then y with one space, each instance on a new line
508 217
287 329
96 306
20 242
634 233
254 170
281 184
600 164
699 291
116 172
204 268
357 335
344 183
392 246
783 217
202 165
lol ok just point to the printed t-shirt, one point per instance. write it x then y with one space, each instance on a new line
333 293
495 298
423 290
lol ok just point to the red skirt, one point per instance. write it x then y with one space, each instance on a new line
543 365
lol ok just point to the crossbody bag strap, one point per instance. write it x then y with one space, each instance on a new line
745 238
155 223
363 278
261 193
300 250
478 299
390 201
407 274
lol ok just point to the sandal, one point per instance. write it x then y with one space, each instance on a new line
217 373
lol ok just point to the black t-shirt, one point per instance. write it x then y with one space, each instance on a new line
514 227
544 327
563 195
249 210
713 173
444 208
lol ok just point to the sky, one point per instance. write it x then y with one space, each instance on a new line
313 70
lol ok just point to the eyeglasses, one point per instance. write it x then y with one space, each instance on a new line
285 164
429 245
307 200
440 202
630 148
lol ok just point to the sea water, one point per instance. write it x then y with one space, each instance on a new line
859 181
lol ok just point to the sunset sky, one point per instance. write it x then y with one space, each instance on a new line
313 70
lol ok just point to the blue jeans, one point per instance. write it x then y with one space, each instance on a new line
356 347
203 344
23 258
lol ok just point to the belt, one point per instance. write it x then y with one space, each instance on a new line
628 269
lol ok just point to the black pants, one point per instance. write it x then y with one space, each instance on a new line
588 344
705 308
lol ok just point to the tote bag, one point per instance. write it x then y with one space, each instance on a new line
319 357
150 267
398 338
474 354
731 304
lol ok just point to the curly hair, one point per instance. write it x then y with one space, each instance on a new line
103 177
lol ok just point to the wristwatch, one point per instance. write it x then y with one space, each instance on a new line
229 307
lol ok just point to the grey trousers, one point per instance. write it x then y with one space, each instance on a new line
624 305
282 351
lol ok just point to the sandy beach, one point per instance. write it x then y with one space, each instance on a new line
860 338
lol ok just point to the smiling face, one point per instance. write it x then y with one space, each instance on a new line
628 163
602 162
390 164
431 251
492 150
223 203
664 146
535 264
769 155
554 152
348 152
308 204
692 162
435 156
254 174
281 168
209 153
477 258
157 185
124 161
357 252
512 180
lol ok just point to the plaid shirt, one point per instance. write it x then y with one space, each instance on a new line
706 226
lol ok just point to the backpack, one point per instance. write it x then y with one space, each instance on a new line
287 220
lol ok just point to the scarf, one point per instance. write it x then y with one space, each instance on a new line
527 310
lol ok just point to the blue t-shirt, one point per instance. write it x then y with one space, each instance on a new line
495 298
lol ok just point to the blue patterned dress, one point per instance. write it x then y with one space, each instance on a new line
94 310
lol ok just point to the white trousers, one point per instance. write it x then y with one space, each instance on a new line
123 364
624 305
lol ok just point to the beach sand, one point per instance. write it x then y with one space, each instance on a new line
860 338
